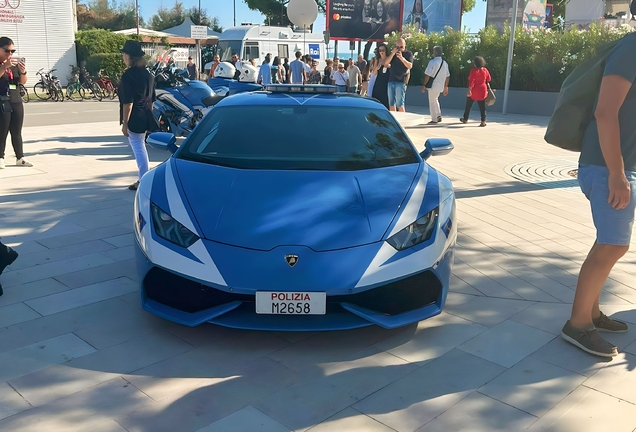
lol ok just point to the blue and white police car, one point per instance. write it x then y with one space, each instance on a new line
295 208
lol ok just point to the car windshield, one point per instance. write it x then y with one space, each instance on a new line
299 138
226 48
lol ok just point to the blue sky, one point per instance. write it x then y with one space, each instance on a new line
224 10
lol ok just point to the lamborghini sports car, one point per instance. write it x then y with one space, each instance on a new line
295 208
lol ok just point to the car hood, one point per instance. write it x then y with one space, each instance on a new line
323 210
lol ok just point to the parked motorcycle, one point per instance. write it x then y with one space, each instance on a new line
182 103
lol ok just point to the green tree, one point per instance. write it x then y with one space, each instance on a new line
167 18
206 20
215 25
101 14
468 6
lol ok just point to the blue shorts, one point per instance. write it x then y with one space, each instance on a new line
613 226
397 94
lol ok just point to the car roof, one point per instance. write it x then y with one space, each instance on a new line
307 99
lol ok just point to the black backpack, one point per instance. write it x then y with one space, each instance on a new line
575 105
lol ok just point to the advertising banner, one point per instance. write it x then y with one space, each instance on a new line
9 12
534 14
549 15
433 15
363 19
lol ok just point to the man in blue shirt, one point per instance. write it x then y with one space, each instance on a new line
297 70
265 73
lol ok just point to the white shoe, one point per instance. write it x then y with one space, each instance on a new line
23 162
2 165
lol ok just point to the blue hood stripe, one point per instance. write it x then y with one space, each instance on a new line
184 199
158 194
431 193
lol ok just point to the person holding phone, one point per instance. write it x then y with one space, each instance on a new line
12 73
400 62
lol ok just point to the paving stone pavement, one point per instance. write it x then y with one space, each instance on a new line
77 353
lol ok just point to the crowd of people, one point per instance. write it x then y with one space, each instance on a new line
384 77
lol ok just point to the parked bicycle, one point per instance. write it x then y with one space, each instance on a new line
106 86
48 87
92 90
74 90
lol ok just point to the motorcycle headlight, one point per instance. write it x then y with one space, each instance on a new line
416 233
169 229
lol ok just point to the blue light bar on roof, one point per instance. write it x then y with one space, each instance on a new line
301 88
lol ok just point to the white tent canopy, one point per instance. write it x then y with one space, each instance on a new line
144 32
183 30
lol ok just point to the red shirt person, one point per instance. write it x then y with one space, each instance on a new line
478 80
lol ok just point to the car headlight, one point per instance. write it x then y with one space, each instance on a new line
416 233
169 229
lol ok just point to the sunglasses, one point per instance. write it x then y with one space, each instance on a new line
399 46
8 51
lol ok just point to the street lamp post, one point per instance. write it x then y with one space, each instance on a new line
137 15
234 13
511 48
199 42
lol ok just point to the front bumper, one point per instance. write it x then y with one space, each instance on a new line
389 304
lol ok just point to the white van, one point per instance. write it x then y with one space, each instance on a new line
256 41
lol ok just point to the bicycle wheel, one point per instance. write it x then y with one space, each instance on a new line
60 92
111 90
24 94
41 91
87 93
53 93
97 92
75 92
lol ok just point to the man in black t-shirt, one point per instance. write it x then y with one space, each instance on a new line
400 62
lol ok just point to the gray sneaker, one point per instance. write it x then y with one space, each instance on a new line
588 339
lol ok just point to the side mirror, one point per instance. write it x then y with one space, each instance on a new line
162 141
436 147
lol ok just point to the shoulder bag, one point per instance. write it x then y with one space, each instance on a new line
429 83
491 98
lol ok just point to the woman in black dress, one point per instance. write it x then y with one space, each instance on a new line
380 88
12 74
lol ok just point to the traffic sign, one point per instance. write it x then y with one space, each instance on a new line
198 32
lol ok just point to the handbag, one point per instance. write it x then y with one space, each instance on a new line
430 82
491 98
5 104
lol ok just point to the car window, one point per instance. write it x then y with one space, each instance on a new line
299 137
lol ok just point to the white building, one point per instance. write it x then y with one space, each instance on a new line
43 32
582 13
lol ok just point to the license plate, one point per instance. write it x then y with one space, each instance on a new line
291 303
